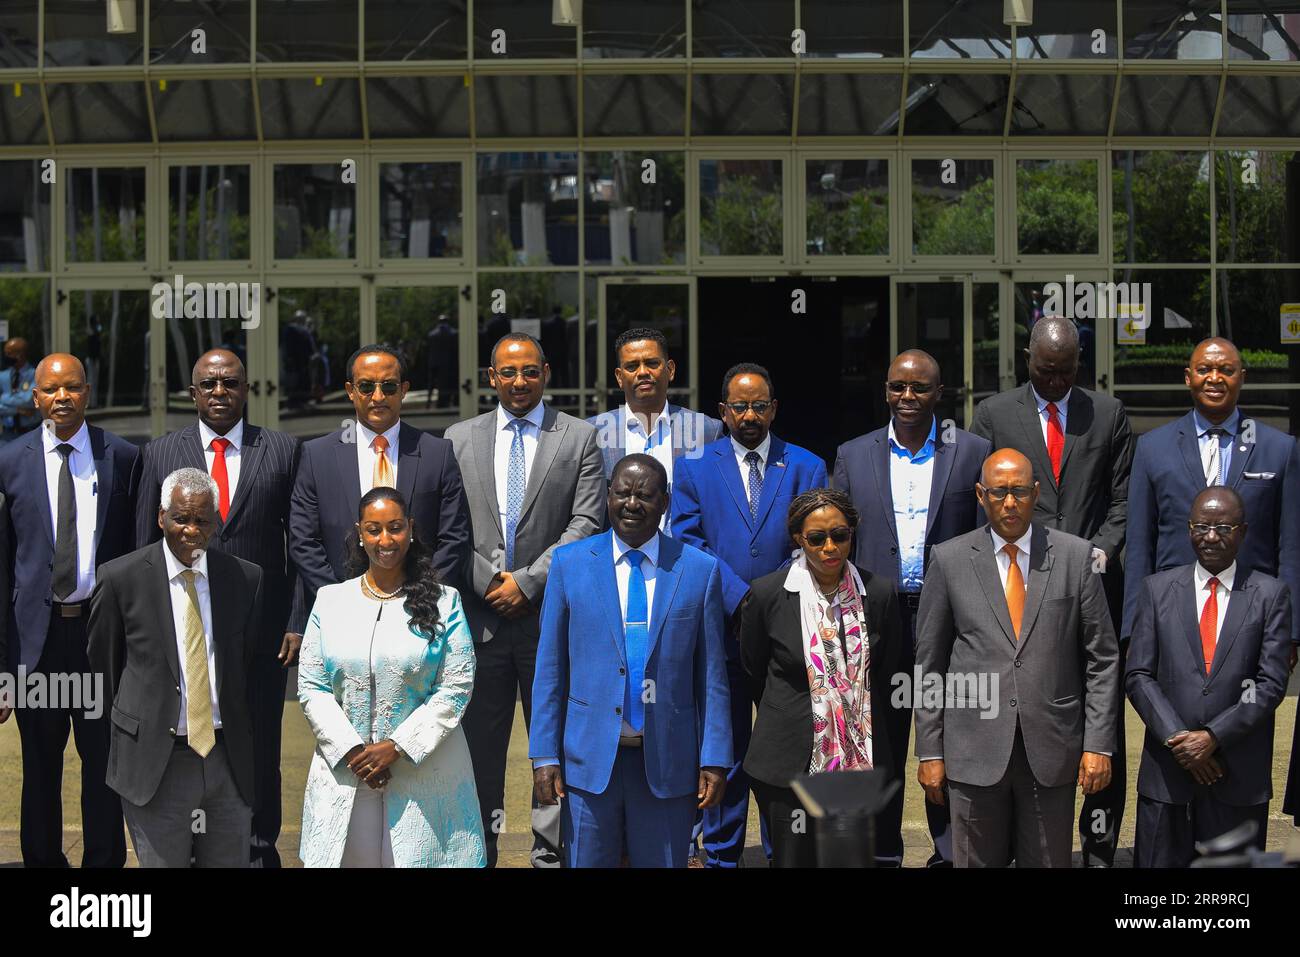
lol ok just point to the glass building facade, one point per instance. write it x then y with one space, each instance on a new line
810 184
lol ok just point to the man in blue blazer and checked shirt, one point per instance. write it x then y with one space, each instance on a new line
631 722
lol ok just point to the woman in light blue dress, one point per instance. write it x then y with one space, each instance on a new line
384 676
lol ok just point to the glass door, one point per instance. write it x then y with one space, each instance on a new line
665 303
934 313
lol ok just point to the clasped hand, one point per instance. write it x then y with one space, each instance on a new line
370 762
505 597
1194 752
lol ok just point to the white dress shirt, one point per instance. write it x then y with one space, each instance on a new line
85 489
367 456
910 479
658 444
532 433
180 602
763 448
236 439
1061 406
1022 556
1223 592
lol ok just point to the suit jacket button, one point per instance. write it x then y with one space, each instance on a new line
1019 662
172 732
1205 691
1060 517
893 550
622 671
178 687
618 710
1013 702
50 566
753 552
47 601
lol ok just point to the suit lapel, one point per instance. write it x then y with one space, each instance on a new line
37 472
103 480
1040 570
725 462
986 570
1241 453
165 626
220 584
773 478
606 588
1191 449
349 473
880 453
1185 601
408 460
943 456
667 578
1078 421
1239 601
485 436
550 438
250 460
1034 443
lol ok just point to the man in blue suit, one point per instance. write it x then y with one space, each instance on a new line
1214 444
647 422
630 705
732 502
913 483
69 491
1207 668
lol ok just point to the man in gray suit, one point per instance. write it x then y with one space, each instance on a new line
534 481
1013 624
647 422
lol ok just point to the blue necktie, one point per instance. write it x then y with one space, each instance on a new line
516 483
755 484
636 635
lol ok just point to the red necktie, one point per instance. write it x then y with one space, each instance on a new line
220 475
1055 440
1210 623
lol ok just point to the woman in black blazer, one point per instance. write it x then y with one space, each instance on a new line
821 689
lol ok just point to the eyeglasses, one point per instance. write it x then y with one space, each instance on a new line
918 388
837 535
1021 492
1223 531
209 386
366 387
740 408
528 372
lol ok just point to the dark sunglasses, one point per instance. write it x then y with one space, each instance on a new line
209 386
740 408
837 535
366 387
900 388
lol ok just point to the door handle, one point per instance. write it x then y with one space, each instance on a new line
467 386
270 388
255 387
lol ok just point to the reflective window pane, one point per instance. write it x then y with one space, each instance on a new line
836 28
415 30
1166 105
1080 30
1263 30
1260 106
742 28
544 305
974 29
728 103
188 337
208 212
22 121
632 221
630 105
420 211
319 331
322 108
201 110
527 209
1056 207
417 106
648 305
1172 30
953 208
99 113
1178 317
848 207
956 103
1066 105
287 33
528 31
846 104
741 207
526 105
423 325
76 35
930 317
1160 206
986 319
18 42
110 335
315 213
24 218
105 214
634 28
1250 305
226 24
1256 205
25 305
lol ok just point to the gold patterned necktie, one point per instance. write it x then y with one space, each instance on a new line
383 474
198 695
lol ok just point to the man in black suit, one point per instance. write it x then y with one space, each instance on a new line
1207 668
378 449
1082 450
173 627
913 483
69 492
254 469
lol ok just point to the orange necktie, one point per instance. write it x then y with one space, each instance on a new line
383 475
1015 589
1210 623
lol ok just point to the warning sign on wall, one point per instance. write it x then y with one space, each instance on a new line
1290 323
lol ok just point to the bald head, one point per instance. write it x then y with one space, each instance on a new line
222 357
1053 357
1216 344
16 350
1054 333
60 361
915 360
1006 467
61 393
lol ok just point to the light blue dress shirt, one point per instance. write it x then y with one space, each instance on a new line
1226 441
910 477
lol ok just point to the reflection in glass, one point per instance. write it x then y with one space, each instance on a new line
1166 105
110 335
953 208
25 305
187 339
208 212
1062 105
986 318
627 104
226 26
1178 317
18 41
742 28
1056 207
930 317
423 324
1160 206
319 330
315 213
1260 30
1062 31
75 35
1172 30
544 305
417 106
728 103
527 209
24 218
322 108
22 121
529 32
105 215
956 103
1250 308
1255 202
741 207
287 33
526 105
852 30
847 104
1260 106
1033 301
634 28
629 220
402 30
420 211
193 110
99 113
848 207
973 29
639 305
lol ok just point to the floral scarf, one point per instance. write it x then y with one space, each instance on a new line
838 672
